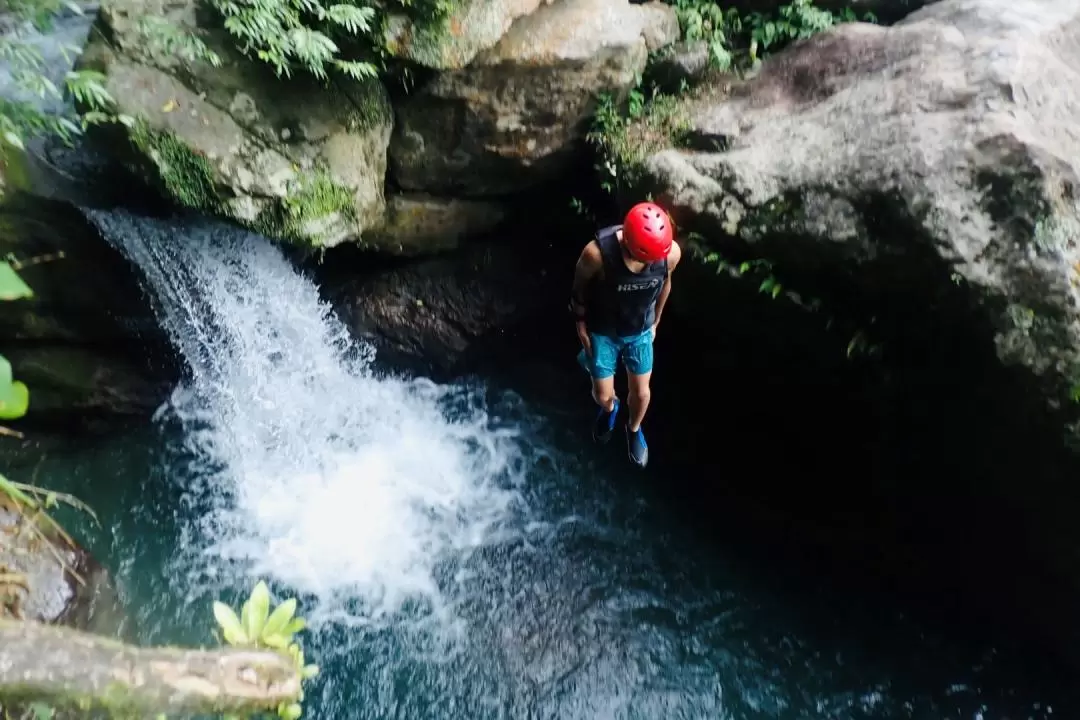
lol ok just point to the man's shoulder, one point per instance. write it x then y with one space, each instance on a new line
591 253
674 256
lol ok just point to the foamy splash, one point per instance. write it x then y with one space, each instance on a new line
315 472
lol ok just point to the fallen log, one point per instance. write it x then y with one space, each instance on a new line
67 668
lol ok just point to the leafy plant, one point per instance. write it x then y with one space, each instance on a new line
164 37
14 395
704 20
19 118
298 33
796 21
624 134
258 627
735 41
316 36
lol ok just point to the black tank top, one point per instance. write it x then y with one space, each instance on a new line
622 302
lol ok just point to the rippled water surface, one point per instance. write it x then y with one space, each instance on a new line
458 553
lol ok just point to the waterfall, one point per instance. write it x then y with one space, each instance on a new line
316 473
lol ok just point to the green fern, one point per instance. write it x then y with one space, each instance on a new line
304 34
20 118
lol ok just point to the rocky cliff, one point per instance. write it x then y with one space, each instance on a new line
508 101
937 154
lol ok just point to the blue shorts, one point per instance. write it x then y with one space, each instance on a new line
636 352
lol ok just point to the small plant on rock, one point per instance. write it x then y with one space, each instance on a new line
315 36
257 627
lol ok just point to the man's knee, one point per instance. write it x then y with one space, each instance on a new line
640 394
603 392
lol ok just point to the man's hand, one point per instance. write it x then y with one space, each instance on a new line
583 336
588 266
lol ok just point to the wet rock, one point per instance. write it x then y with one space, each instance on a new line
471 27
87 344
418 224
513 118
680 67
443 312
928 159
52 580
295 159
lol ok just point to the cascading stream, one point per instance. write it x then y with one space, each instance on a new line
454 562
334 482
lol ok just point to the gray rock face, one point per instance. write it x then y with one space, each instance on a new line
439 310
418 224
945 148
472 27
42 586
297 160
511 119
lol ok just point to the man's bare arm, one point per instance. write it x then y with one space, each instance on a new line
588 266
672 261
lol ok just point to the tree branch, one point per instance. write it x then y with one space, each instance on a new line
67 668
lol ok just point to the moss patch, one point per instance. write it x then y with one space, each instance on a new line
185 176
372 107
624 143
300 218
14 172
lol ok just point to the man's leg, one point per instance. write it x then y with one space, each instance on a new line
602 371
638 358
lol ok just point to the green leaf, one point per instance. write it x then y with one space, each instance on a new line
309 671
12 286
292 712
295 626
279 619
277 641
14 401
41 711
13 139
230 624
258 607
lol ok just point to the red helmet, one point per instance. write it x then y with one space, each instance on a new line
647 232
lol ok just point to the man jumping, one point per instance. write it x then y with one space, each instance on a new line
621 283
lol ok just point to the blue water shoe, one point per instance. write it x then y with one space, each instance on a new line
605 423
636 447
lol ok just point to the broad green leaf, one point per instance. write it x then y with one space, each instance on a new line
5 375
13 139
279 619
295 626
292 712
14 401
230 624
41 711
277 641
258 610
12 286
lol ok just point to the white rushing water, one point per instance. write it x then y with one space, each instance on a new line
314 472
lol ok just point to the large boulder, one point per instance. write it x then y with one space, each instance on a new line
295 159
457 311
512 118
938 156
421 224
452 42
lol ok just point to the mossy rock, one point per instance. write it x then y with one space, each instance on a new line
298 159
